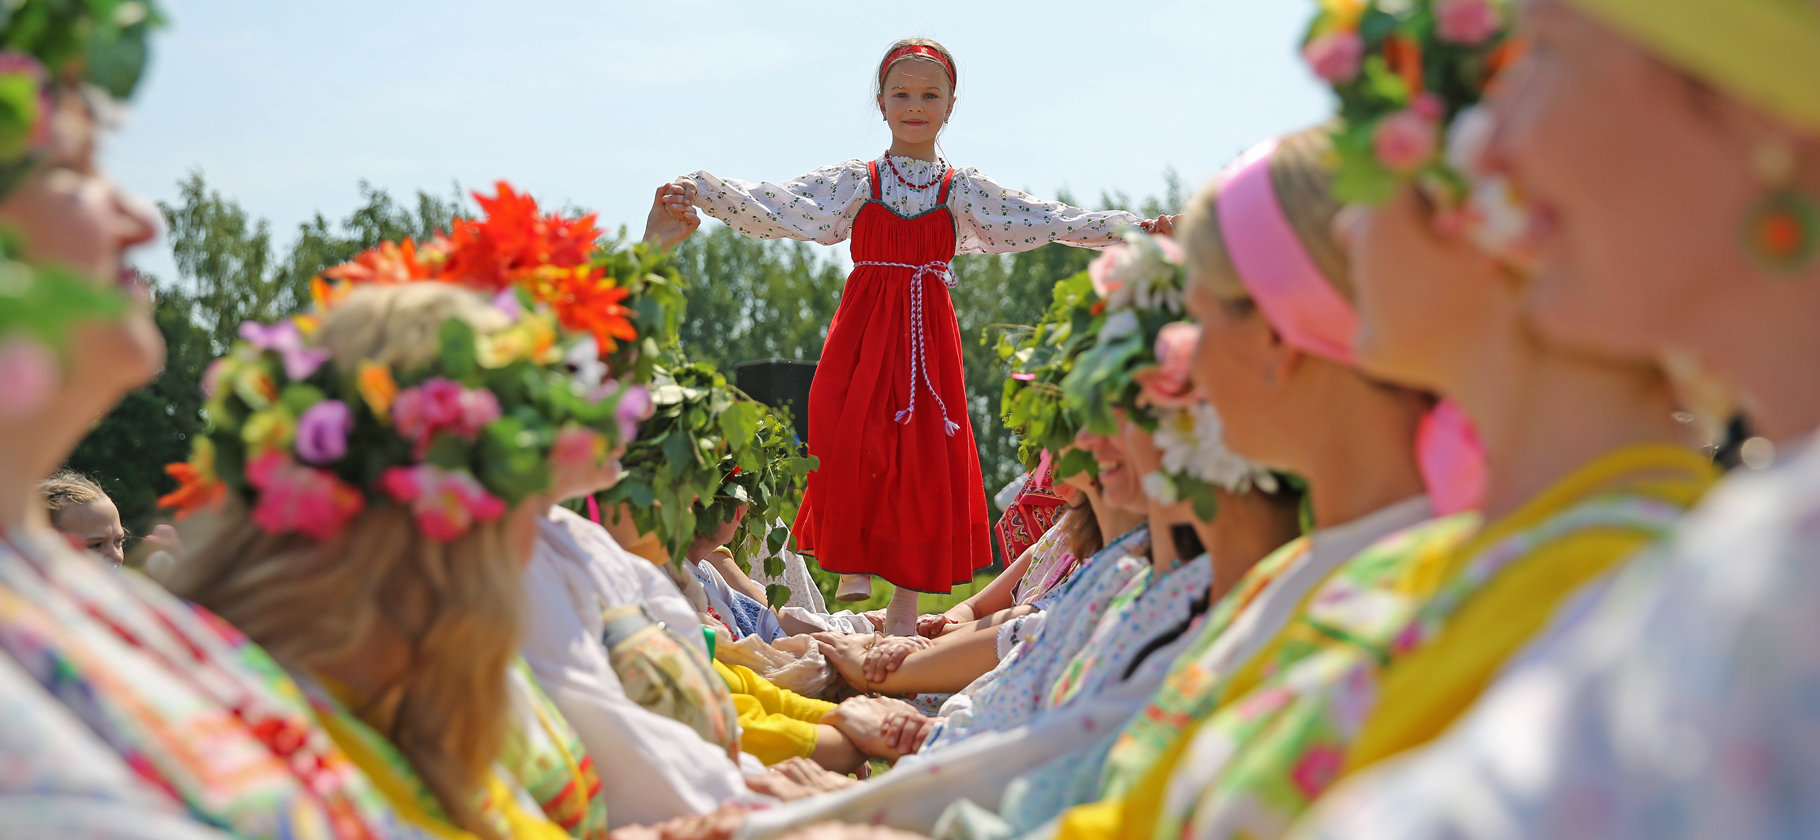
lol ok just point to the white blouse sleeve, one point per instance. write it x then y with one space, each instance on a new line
817 207
994 220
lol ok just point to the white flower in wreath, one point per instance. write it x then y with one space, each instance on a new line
1159 488
1144 272
1192 445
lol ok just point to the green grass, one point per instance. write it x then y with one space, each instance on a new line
881 593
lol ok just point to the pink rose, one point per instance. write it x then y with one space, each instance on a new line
28 376
1408 139
293 497
1104 270
1166 384
446 503
1335 57
441 405
1468 23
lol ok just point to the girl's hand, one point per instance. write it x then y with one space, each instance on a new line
1161 225
673 215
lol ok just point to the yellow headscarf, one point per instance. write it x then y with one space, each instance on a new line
1766 52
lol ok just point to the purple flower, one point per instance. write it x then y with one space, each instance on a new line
284 339
322 432
634 407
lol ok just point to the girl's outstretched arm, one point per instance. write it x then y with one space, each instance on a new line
993 219
817 207
672 217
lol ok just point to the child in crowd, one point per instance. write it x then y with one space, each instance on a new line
81 511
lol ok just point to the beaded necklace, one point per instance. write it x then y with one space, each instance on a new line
906 182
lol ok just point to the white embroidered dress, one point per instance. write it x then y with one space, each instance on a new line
821 206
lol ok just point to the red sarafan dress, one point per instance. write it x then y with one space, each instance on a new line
898 493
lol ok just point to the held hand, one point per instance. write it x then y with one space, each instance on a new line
847 654
889 653
877 726
673 217
1161 225
931 626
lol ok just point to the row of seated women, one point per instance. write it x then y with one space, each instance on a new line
1514 599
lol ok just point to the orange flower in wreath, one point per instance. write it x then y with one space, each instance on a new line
512 240
198 487
586 300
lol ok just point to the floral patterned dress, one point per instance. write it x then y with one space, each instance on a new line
546 757
1339 681
121 705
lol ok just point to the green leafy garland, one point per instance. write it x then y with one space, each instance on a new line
657 298
1041 359
706 450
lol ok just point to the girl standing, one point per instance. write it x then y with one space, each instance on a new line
898 493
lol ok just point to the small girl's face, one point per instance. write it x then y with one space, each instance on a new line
95 526
917 100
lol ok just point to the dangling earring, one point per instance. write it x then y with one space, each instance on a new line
1782 231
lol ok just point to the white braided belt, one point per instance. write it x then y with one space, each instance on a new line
919 360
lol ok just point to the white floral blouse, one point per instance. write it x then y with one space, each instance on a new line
821 206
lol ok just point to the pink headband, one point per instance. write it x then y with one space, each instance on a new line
1274 265
1311 316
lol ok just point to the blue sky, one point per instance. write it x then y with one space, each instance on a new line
285 105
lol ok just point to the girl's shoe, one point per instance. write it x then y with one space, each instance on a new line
854 588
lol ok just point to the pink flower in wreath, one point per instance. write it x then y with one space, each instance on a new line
1166 385
442 405
446 502
575 446
28 376
1103 272
293 497
1319 766
1406 140
1468 23
1335 56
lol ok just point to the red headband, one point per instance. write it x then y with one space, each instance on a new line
916 49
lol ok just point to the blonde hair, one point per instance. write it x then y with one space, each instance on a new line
67 489
456 606
878 79
1301 173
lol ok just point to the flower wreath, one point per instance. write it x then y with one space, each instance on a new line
705 450
1404 71
1139 363
460 439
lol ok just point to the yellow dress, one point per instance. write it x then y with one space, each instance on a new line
775 724
1426 690
1387 661
503 804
